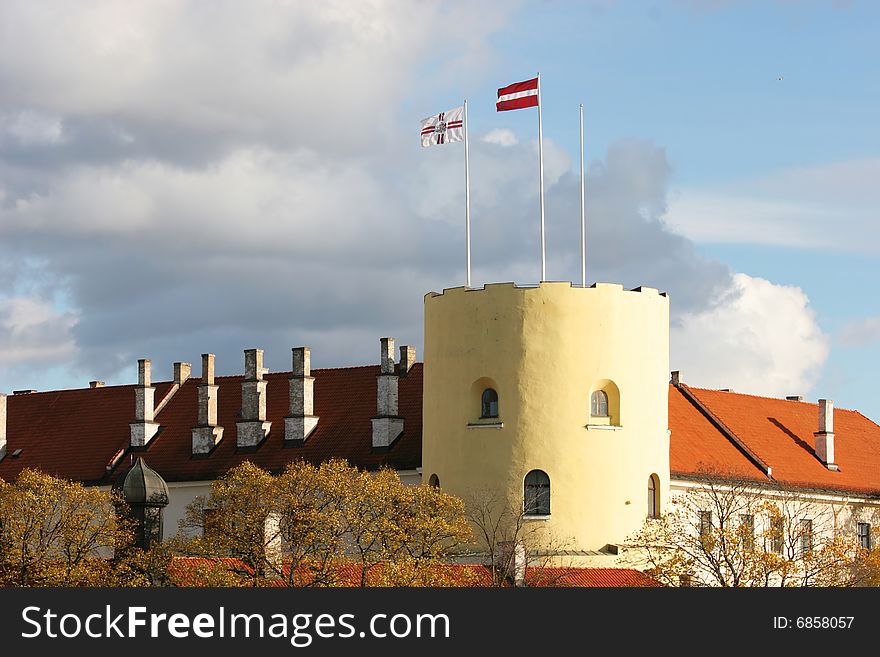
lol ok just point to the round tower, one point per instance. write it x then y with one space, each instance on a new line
554 397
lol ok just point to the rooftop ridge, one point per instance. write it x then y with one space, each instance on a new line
780 399
724 429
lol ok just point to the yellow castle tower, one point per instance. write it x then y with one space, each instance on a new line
554 397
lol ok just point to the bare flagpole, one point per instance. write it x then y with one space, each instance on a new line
583 212
467 197
541 179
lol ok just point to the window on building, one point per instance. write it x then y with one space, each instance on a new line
653 496
537 494
490 403
864 531
747 531
705 523
434 481
777 535
599 404
806 536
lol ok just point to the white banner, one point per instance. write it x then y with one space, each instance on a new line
443 128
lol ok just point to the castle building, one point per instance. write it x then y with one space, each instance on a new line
559 397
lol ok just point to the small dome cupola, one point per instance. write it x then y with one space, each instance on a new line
140 485
146 494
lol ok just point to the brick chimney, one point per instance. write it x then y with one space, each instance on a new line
2 425
407 360
206 435
825 434
387 425
253 428
675 378
143 428
301 421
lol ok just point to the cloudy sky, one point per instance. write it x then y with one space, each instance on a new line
181 177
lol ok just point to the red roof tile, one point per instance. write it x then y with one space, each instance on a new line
191 571
780 432
75 433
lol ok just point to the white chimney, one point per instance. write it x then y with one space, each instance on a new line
253 428
387 425
407 360
207 434
96 384
825 434
512 561
2 425
182 372
301 421
143 428
675 379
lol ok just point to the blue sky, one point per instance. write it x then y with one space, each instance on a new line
185 178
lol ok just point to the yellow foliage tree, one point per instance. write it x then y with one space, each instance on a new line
55 532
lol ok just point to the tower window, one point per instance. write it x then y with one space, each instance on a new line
490 403
537 494
599 404
653 496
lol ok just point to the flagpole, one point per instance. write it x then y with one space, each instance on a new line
541 179
583 212
467 197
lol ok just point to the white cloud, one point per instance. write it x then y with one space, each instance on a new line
759 337
860 333
34 333
197 177
833 206
501 137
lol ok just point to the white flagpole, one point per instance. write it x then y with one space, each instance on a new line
583 212
541 178
467 197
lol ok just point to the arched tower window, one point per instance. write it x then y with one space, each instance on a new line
490 403
653 496
599 404
434 481
537 494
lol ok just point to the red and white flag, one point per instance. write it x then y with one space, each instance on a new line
518 96
443 128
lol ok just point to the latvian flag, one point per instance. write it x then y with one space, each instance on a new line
444 127
518 96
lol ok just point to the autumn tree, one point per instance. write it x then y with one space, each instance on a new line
732 533
55 532
237 520
509 542
324 520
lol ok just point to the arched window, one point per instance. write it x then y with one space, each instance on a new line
537 494
490 403
434 481
599 404
653 496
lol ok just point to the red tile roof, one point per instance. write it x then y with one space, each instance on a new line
192 571
75 434
780 432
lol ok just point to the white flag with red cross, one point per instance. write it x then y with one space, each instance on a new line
444 127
